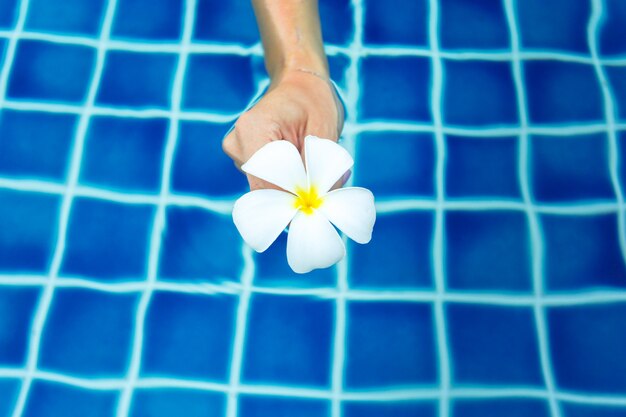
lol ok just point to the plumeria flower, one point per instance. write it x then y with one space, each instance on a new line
304 203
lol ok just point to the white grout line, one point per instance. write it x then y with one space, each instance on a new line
45 301
158 227
537 243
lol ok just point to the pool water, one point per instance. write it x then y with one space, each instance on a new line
493 134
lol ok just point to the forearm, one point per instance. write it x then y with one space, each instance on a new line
291 35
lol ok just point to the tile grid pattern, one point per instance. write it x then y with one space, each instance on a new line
538 301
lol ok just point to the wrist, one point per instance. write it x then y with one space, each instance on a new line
314 63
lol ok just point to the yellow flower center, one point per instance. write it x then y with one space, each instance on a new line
307 200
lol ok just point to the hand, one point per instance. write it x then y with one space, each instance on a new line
298 103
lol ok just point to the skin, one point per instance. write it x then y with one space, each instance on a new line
300 100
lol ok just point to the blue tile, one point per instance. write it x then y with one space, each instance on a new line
68 16
199 245
17 309
510 407
9 390
48 399
493 345
189 336
574 257
617 81
488 250
586 410
570 168
389 344
124 153
303 325
161 20
51 72
8 13
613 31
88 333
107 240
471 24
541 29
479 167
621 154
250 406
226 21
560 92
28 226
467 83
272 270
410 22
405 164
338 65
399 409
175 402
588 344
403 93
200 165
337 19
136 79
221 83
50 134
399 255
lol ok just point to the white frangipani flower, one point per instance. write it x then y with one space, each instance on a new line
306 204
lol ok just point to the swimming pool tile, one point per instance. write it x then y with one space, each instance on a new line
9 390
50 399
410 172
264 406
272 270
28 227
65 17
107 240
482 168
178 345
158 21
493 345
588 410
509 407
397 409
613 31
338 65
467 83
214 22
289 341
337 20
401 94
574 258
570 168
399 254
588 344
51 72
410 23
617 82
51 134
132 79
88 333
162 402
200 167
124 154
218 83
8 13
487 250
17 310
554 25
402 351
199 245
473 25
562 92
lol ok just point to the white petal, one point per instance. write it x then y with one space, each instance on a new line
278 162
261 215
352 210
326 162
313 243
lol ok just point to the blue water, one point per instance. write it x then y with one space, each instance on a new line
493 134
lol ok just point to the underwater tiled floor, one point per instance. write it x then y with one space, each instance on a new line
493 134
